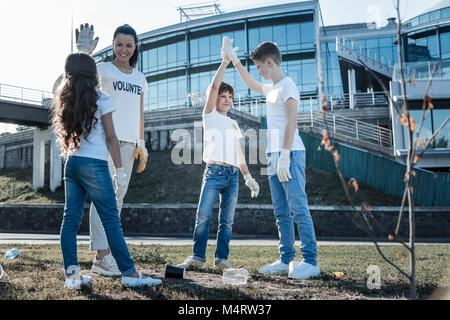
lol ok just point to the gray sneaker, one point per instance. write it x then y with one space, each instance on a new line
106 266
191 263
223 265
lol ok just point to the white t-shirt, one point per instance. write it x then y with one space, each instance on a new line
95 144
125 92
221 138
276 97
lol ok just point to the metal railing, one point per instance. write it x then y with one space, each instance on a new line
349 44
25 95
360 100
375 62
424 70
343 127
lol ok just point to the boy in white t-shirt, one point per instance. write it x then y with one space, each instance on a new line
224 158
286 165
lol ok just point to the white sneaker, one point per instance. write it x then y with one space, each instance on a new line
75 281
106 266
191 263
140 282
277 267
223 265
302 270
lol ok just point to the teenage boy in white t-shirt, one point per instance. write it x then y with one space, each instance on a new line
224 158
286 165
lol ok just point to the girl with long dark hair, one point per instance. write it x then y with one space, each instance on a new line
82 120
125 85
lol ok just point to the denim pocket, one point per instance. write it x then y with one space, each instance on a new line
213 171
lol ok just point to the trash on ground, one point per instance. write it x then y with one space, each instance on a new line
235 276
11 254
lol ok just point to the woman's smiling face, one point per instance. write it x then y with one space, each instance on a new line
124 47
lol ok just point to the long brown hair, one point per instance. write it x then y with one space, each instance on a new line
75 104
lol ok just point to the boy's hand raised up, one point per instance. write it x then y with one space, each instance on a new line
228 53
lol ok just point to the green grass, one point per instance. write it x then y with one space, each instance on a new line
164 182
37 274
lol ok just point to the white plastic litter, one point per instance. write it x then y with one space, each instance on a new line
235 277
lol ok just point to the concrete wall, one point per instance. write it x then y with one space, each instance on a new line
250 221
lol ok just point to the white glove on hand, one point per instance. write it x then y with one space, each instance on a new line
252 184
120 180
85 39
141 144
284 163
228 52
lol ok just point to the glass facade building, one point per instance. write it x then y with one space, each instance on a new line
181 60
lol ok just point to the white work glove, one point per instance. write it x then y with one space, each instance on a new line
141 153
284 163
141 144
85 39
252 185
228 52
120 180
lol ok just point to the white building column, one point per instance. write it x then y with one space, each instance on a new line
351 87
39 138
2 156
55 164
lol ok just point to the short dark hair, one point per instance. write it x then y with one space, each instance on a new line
128 30
267 50
226 87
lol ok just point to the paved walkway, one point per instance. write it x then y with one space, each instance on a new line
26 238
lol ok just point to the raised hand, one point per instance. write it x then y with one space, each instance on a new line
85 39
228 53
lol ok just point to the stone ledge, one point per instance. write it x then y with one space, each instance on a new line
250 220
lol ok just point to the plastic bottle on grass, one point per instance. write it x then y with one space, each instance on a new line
235 276
11 254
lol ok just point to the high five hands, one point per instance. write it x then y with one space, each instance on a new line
228 52
85 39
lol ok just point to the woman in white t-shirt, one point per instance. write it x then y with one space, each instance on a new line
82 120
125 85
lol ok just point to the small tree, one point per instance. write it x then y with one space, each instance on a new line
416 149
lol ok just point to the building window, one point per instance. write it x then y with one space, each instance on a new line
445 45
433 120
307 35
442 140
293 37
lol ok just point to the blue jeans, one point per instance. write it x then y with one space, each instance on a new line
90 177
290 197
218 181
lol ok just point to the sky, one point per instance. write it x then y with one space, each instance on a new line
35 35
